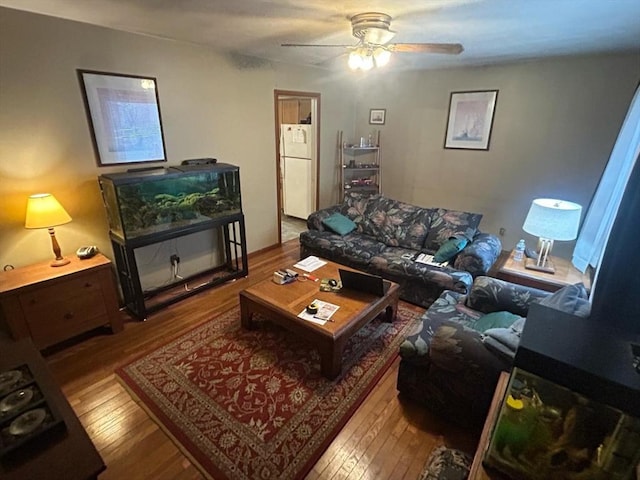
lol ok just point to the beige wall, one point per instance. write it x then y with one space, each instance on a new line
211 106
555 124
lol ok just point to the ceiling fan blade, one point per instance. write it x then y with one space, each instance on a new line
312 45
448 48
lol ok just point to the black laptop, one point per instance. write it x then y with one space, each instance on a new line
363 282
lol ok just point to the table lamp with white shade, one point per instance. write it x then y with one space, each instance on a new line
550 220
44 211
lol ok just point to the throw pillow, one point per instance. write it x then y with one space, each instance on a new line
495 320
446 464
338 223
572 299
450 249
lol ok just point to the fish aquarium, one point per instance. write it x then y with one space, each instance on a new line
545 431
571 410
147 202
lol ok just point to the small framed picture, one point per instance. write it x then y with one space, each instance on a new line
470 119
376 116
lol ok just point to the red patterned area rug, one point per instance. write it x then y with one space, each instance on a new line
252 404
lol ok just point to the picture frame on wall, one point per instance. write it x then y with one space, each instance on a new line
123 112
470 119
377 116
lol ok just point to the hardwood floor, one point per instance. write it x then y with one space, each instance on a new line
386 437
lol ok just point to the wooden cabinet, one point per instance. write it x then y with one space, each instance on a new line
52 304
294 110
360 165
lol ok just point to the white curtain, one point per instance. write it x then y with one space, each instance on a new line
604 206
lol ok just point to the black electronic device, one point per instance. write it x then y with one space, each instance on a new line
87 252
199 161
333 282
363 282
530 253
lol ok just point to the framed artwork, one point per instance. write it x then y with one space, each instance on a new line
376 116
470 119
124 117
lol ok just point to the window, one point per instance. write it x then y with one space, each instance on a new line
606 201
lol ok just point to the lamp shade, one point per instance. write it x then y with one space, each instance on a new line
553 219
44 211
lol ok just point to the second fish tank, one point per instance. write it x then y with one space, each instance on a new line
572 406
148 202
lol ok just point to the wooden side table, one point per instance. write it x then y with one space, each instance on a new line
566 274
52 304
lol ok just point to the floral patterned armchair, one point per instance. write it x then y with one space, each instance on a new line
446 365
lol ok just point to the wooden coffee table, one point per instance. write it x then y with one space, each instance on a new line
281 304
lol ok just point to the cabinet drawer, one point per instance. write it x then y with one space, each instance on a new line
61 311
53 322
77 286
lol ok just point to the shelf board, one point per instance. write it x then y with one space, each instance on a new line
361 187
361 149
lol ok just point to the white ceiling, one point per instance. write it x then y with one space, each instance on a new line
492 31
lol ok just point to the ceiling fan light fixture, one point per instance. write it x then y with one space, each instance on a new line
381 56
367 62
372 29
378 36
355 60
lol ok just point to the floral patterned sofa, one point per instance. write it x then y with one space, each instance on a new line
387 231
446 364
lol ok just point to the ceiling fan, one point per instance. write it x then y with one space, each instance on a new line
372 29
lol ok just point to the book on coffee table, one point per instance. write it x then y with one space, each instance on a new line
310 264
323 315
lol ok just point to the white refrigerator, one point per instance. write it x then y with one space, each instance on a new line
297 151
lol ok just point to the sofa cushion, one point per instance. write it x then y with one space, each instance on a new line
390 263
354 207
490 294
446 224
572 299
396 223
339 224
450 249
358 248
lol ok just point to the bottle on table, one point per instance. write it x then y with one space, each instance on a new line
518 254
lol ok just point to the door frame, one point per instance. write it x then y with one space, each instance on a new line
315 121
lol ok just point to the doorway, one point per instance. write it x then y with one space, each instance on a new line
297 116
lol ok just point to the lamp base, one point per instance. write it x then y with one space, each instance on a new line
532 264
60 263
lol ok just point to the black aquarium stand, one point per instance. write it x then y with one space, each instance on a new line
140 303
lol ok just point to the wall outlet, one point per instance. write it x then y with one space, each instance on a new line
502 231
174 259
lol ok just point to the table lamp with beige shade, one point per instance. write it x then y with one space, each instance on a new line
44 211
550 220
